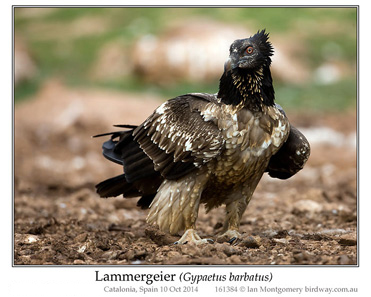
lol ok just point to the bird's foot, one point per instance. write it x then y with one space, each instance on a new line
230 236
191 237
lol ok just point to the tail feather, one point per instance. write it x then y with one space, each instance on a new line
116 186
113 134
140 179
126 126
145 201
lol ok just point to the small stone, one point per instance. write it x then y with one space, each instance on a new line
129 235
300 256
130 255
159 237
281 240
348 239
228 250
235 259
81 249
270 233
344 260
191 250
81 237
109 255
307 206
250 243
333 232
31 239
173 254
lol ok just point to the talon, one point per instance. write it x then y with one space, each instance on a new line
232 240
190 236
230 236
210 240
178 242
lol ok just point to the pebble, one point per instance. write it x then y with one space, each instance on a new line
300 256
333 232
270 233
130 255
173 254
228 250
348 239
344 260
250 242
81 237
31 239
307 206
110 255
235 259
281 240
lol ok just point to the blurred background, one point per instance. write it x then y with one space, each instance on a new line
78 71
170 51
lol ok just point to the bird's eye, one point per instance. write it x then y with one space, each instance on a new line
249 50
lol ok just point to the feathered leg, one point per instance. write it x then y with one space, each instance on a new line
234 212
175 207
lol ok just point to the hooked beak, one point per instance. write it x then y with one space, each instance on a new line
230 64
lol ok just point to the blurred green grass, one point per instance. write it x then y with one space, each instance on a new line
70 57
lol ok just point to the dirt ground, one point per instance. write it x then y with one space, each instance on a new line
60 220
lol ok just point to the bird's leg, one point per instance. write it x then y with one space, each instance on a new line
190 214
190 235
234 212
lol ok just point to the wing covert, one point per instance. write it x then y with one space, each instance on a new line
177 138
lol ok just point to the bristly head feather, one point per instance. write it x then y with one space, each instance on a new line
250 53
261 40
247 80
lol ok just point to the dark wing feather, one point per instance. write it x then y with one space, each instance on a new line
173 141
177 138
140 178
116 186
291 157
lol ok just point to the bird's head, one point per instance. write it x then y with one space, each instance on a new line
250 53
247 80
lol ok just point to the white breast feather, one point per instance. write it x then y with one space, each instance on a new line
162 108
188 145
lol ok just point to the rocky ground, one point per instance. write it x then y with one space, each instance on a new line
58 219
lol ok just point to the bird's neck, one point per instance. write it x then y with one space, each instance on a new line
244 89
